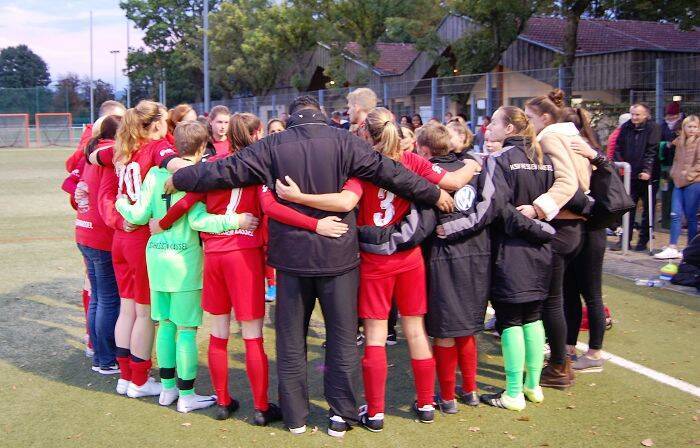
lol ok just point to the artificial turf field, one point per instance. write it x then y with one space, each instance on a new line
49 396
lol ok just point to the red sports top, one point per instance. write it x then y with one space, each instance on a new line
149 154
78 154
381 208
95 222
222 147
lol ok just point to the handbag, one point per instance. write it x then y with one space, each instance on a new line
611 199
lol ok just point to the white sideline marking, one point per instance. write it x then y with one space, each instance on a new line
653 374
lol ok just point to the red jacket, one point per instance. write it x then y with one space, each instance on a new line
612 141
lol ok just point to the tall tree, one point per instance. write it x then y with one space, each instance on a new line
69 97
21 67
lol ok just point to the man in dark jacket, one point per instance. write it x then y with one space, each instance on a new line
638 145
309 266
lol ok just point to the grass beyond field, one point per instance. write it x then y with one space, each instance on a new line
51 398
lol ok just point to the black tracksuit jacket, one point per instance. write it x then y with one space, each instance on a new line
639 146
319 159
459 265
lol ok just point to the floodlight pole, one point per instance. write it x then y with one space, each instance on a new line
205 55
128 80
92 87
115 53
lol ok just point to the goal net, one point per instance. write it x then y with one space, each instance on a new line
54 129
14 130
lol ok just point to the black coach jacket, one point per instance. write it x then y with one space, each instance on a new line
639 146
319 159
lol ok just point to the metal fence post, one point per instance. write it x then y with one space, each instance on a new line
472 113
239 105
274 106
433 96
627 181
489 93
443 107
385 95
255 106
321 98
659 91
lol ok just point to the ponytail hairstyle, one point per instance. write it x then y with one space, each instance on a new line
242 130
683 137
385 133
135 128
104 129
523 128
551 104
582 120
176 114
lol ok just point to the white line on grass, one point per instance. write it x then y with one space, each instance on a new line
653 374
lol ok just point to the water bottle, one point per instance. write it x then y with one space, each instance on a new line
650 282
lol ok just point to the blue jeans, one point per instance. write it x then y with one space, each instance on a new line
104 305
685 201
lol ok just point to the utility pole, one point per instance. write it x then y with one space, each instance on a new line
128 80
205 56
115 53
92 85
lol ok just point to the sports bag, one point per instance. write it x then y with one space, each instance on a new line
611 199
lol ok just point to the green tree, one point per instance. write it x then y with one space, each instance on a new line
254 42
68 96
21 67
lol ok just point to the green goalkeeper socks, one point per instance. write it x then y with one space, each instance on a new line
513 347
165 351
534 353
186 360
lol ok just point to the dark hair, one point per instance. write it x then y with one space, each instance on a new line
420 120
304 102
463 116
108 131
581 119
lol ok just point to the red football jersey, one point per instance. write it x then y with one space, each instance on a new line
382 208
227 202
222 147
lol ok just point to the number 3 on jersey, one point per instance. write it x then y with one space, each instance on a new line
386 199
236 194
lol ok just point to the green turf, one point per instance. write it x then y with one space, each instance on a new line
51 398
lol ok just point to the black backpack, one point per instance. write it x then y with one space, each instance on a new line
611 199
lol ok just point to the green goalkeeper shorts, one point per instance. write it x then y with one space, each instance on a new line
184 309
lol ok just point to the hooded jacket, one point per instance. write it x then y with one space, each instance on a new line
320 159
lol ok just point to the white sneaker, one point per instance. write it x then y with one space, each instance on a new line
534 395
89 353
668 253
148 389
168 396
122 386
299 430
188 403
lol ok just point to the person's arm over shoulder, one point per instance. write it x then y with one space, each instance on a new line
411 231
202 221
179 209
281 213
248 166
565 179
367 164
140 212
342 202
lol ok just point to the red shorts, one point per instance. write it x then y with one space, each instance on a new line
407 288
235 280
129 260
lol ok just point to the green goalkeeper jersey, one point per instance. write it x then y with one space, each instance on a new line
174 256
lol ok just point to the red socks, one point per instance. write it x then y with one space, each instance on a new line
467 354
256 367
270 275
374 372
139 370
124 361
424 380
218 369
446 363
86 305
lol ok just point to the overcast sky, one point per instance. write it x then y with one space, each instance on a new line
59 32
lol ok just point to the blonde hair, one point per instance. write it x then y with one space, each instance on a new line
135 128
242 129
523 128
458 125
683 137
385 133
436 137
365 98
190 137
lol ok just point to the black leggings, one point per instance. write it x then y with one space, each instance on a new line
565 246
516 314
584 276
